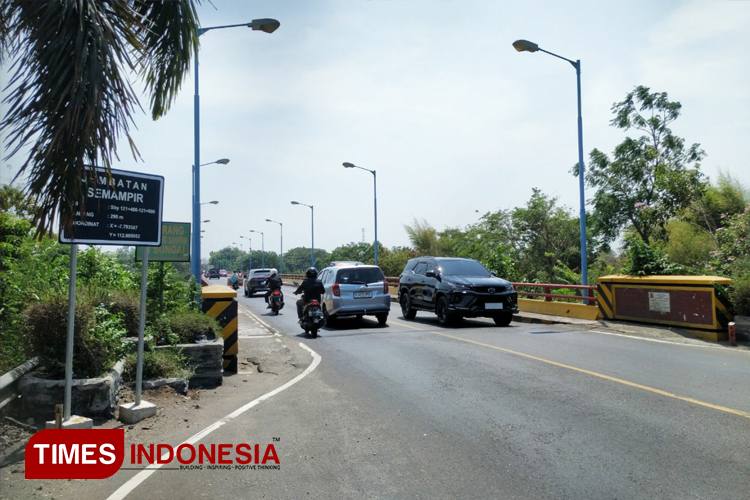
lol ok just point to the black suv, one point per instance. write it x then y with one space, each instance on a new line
455 288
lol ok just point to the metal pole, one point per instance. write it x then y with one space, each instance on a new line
312 252
141 328
197 177
250 256
584 251
281 263
375 190
71 331
262 250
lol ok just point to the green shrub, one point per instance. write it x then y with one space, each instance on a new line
128 304
647 260
159 363
740 295
98 342
160 331
188 325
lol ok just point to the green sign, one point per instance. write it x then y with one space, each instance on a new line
175 244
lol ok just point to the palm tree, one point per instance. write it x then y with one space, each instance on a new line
70 97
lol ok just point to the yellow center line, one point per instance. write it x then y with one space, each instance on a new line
605 377
400 323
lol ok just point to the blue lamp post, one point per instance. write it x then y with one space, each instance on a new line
375 197
312 217
267 26
281 256
249 253
262 247
527 46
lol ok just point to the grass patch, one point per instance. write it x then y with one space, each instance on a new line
159 363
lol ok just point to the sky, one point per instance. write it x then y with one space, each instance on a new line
431 95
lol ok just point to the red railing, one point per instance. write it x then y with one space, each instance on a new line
547 287
548 295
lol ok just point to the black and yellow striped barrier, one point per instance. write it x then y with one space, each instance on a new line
691 302
220 303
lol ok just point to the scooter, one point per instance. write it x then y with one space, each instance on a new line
312 318
276 301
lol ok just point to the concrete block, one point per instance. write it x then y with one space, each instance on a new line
74 422
130 413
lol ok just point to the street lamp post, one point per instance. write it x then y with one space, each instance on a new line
249 253
195 264
527 46
241 252
265 25
281 256
375 197
262 247
312 218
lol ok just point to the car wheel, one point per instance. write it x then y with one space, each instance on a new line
328 320
503 320
406 309
441 310
382 318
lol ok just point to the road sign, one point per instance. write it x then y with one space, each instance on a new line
124 209
175 244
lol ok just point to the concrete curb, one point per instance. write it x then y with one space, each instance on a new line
518 318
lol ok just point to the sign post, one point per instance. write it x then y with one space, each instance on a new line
121 208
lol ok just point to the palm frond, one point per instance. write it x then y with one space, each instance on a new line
69 97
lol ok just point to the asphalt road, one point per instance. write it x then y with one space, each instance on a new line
413 410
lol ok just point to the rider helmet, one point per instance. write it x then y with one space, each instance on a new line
311 273
274 272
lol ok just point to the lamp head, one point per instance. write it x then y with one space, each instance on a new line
525 46
222 161
213 202
349 165
295 203
269 220
265 25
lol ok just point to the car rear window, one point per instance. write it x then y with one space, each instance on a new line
360 275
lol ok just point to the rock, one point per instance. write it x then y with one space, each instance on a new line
90 397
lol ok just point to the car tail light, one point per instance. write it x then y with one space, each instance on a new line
386 290
336 290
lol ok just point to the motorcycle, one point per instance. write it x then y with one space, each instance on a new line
312 318
276 301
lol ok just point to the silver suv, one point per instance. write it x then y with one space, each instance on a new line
355 291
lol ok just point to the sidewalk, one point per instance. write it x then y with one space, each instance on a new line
651 332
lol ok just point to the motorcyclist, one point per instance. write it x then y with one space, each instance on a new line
273 283
311 287
234 280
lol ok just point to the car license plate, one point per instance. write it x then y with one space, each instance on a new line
362 295
493 305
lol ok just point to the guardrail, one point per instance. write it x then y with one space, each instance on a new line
547 287
9 381
548 295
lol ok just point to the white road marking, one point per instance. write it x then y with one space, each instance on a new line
133 483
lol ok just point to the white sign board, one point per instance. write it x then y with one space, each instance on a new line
658 301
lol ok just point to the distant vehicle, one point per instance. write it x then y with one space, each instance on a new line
256 281
213 274
337 263
453 289
223 273
355 290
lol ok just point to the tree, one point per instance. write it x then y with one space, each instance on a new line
546 233
70 95
424 238
722 199
650 179
362 252
297 260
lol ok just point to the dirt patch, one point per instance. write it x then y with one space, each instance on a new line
13 440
